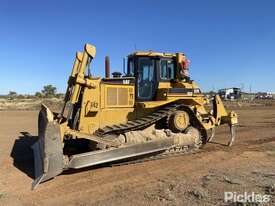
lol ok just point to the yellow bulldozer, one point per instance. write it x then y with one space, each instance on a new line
153 108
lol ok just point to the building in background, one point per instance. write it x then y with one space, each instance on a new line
264 95
230 93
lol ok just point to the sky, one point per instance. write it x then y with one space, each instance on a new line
230 43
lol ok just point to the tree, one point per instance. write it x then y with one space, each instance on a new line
12 94
212 93
49 90
38 94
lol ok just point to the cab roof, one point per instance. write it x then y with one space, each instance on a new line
152 54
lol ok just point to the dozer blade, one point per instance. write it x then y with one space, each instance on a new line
48 151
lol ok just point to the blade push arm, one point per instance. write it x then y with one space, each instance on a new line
68 93
88 55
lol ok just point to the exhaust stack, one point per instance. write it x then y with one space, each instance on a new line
107 67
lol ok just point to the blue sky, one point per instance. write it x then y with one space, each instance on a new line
229 43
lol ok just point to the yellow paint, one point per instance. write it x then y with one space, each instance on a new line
105 104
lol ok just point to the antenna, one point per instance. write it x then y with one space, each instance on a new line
135 47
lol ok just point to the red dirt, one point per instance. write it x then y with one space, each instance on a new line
198 179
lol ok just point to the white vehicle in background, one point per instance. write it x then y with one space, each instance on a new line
230 93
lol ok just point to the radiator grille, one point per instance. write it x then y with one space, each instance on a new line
111 96
117 96
122 96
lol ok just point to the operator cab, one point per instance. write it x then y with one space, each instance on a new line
149 69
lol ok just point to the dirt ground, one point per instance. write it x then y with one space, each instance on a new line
31 103
197 179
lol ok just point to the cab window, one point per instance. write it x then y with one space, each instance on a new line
146 78
131 68
167 69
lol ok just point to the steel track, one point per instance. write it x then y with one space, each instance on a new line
164 155
138 124
141 124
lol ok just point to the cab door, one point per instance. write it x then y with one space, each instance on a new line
146 79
